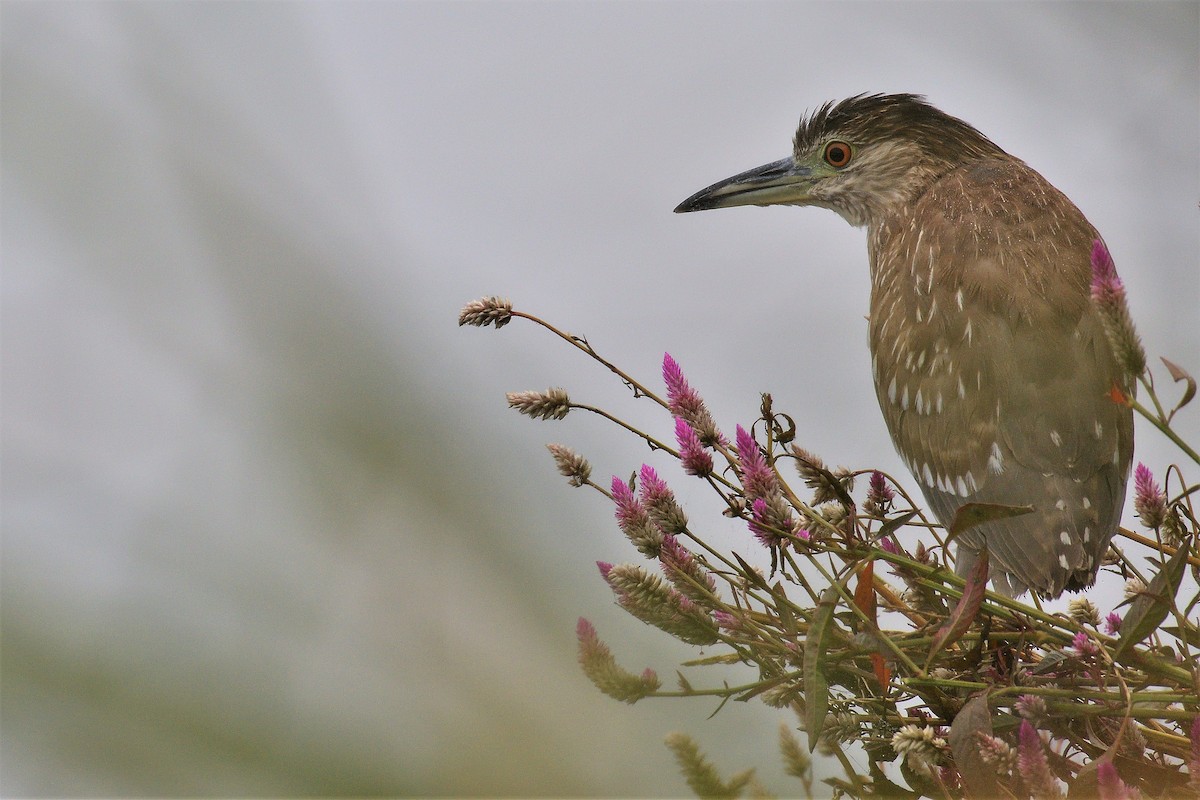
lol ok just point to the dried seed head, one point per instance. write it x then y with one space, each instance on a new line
601 668
918 744
1134 588
571 464
495 311
1084 611
550 404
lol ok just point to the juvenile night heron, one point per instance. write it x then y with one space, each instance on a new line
990 362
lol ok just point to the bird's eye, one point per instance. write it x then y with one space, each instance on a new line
837 154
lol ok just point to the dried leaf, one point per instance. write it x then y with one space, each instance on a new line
1178 374
974 718
971 514
816 682
1151 607
864 599
966 608
864 592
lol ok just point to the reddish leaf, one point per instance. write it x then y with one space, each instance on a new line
974 718
864 593
1178 374
864 598
966 608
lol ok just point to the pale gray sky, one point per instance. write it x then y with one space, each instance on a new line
268 527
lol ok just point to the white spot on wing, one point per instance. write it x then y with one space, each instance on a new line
1087 503
892 390
1065 537
1061 505
996 460
1056 438
1062 560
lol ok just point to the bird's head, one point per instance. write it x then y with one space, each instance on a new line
860 157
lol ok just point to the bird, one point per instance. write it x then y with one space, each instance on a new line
989 360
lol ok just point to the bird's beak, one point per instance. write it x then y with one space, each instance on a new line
781 182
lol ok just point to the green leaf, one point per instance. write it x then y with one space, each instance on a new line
892 524
816 682
971 514
1152 606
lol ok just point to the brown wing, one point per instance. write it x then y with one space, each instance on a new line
993 371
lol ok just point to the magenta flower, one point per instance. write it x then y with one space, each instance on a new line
1110 785
772 522
696 460
879 494
684 402
888 545
659 500
1194 764
758 479
685 572
1083 645
1031 758
1112 623
1148 499
634 520
1108 295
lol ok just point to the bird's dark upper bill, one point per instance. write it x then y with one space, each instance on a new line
771 184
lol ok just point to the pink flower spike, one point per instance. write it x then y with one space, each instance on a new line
771 522
1104 271
1083 644
628 506
1112 623
1148 498
683 401
757 478
604 568
888 545
879 494
681 397
696 460
1031 758
1194 766
1110 785
652 486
